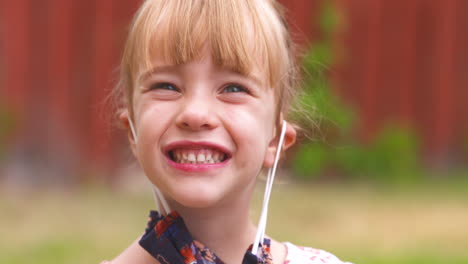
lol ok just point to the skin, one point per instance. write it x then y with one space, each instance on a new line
199 101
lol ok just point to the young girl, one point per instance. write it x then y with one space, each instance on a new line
206 85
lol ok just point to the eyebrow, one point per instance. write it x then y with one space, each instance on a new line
251 77
153 70
167 68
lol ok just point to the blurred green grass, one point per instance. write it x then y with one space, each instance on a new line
357 222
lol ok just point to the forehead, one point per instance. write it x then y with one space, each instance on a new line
206 61
181 31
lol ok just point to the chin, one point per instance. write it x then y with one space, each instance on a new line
199 202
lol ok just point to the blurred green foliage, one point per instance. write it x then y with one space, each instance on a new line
329 124
391 157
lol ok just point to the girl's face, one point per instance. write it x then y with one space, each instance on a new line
204 132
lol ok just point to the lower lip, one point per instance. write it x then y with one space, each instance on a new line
189 167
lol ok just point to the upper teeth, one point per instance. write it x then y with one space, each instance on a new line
200 156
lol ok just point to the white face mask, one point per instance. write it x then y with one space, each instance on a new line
165 209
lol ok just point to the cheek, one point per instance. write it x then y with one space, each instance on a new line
251 130
152 120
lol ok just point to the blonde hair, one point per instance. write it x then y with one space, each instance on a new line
241 35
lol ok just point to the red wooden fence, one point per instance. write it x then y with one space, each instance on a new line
407 61
59 59
402 60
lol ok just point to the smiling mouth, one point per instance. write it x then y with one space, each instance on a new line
197 156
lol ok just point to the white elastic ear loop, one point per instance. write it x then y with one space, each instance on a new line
159 199
161 202
266 197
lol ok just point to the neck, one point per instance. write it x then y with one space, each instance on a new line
226 229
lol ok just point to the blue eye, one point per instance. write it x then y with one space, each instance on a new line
164 86
235 88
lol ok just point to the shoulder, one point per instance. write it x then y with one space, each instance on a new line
307 255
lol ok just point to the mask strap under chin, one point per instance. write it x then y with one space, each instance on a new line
259 237
159 199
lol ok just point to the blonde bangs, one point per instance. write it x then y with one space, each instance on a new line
241 35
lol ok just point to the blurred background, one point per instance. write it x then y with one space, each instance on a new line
380 174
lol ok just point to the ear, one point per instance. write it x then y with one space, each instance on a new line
289 140
124 118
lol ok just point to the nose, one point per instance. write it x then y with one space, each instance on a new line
197 114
